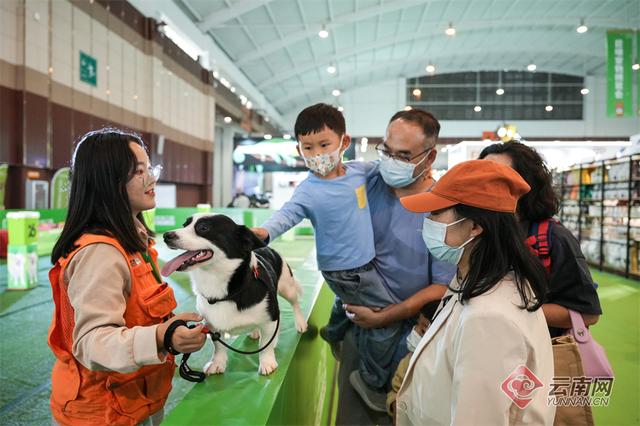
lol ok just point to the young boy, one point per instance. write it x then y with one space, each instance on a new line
334 198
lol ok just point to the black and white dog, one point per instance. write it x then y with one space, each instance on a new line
231 274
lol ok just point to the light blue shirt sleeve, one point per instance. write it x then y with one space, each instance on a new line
371 169
291 213
441 272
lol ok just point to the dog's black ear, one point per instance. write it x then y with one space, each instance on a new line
249 238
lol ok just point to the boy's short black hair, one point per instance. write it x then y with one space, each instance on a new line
316 117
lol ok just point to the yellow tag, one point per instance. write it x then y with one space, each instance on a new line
361 195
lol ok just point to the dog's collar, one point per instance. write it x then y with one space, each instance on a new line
256 275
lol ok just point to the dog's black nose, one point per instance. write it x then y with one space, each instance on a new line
169 236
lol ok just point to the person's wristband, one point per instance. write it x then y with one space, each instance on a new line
168 336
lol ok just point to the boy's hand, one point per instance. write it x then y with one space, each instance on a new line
261 233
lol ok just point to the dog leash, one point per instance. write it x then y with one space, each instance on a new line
197 376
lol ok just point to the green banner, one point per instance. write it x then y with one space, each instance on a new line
619 73
4 169
60 189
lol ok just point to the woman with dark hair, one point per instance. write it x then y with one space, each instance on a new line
111 307
570 282
487 350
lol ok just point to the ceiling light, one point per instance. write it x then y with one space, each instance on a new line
216 74
249 105
635 66
477 108
233 89
335 92
227 119
531 67
407 108
548 108
267 137
582 28
331 69
323 33
502 132
417 93
450 31
430 68
499 91
286 136
340 109
584 91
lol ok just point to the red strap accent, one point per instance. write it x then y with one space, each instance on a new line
256 273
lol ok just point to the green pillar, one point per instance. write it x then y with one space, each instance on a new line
149 217
22 256
204 208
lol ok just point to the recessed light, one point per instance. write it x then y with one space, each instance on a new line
331 69
477 108
500 91
430 68
548 108
584 91
450 31
335 92
531 67
417 93
227 119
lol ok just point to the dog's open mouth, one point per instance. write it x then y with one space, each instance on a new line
186 259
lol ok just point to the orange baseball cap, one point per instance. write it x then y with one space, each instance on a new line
483 184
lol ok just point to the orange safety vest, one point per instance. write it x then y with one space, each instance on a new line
80 396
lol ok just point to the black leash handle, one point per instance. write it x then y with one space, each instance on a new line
168 336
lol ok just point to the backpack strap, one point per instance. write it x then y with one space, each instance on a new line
539 241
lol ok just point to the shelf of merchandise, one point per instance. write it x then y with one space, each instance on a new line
601 207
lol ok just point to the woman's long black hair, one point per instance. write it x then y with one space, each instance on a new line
541 202
498 250
101 166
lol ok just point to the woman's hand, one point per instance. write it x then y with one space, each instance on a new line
184 340
366 317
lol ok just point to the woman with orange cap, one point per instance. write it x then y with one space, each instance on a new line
486 359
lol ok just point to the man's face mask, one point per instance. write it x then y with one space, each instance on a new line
398 173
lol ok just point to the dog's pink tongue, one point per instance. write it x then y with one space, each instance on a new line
171 266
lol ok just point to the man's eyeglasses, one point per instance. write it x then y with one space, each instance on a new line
384 154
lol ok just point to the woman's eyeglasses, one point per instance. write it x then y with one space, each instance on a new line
149 175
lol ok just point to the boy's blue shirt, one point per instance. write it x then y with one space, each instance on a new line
339 211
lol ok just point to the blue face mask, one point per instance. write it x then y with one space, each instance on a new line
397 173
434 234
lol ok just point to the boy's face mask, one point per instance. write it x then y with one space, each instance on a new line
323 164
413 339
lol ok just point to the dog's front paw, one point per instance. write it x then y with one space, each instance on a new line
217 366
267 365
301 324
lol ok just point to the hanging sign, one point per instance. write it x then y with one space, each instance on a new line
619 73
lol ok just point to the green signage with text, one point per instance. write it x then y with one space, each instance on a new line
88 69
619 73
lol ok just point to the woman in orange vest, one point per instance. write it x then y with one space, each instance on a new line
111 307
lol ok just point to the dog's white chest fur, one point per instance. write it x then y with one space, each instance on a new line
225 316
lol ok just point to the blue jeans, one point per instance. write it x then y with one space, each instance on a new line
376 346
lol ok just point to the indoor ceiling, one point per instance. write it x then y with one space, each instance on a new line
276 43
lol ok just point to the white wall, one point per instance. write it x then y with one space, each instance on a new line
368 109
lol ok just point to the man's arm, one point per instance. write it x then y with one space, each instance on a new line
368 318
